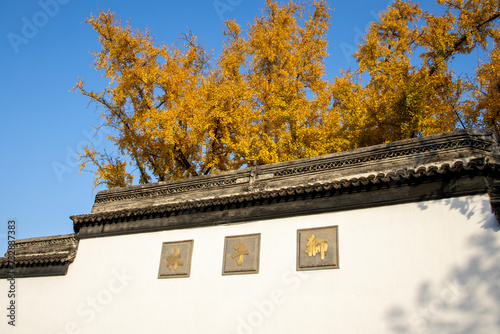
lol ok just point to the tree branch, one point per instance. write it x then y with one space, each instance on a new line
461 41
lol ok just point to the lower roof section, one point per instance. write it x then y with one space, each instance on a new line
34 257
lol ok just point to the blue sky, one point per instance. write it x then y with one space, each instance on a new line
44 48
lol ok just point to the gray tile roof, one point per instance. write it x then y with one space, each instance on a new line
40 256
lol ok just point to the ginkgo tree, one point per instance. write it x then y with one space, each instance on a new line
405 87
177 111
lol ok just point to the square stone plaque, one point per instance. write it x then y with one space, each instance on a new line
317 248
175 260
241 254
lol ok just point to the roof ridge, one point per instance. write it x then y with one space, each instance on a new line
337 184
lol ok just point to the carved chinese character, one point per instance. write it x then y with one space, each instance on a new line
315 246
241 251
173 259
171 264
318 248
241 254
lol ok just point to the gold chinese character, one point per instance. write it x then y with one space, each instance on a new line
240 252
315 246
173 259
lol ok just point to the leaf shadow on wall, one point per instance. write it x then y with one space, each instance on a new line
467 299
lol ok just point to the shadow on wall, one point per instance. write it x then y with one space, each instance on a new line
467 301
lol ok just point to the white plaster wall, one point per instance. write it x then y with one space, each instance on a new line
430 267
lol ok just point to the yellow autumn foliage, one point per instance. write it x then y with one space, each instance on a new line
176 111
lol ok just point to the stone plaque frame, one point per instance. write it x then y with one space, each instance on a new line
309 257
235 250
169 267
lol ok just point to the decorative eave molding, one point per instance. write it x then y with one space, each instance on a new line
35 257
413 153
405 152
162 190
402 186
